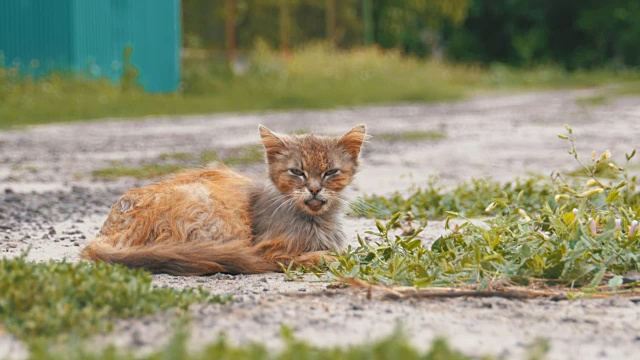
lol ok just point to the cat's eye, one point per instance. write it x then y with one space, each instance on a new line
296 172
330 172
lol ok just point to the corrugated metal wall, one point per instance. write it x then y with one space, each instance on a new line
89 36
35 34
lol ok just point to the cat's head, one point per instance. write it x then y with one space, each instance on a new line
312 170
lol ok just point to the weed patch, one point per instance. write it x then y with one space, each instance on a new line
586 233
469 199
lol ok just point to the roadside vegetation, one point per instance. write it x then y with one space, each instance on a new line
313 76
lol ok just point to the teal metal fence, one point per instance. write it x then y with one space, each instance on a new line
90 36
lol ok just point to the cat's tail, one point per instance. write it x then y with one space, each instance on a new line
189 258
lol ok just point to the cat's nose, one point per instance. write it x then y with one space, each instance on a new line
314 189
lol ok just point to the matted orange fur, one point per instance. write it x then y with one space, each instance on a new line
206 221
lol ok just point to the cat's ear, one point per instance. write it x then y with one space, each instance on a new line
272 142
352 140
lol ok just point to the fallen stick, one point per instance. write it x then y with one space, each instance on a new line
409 292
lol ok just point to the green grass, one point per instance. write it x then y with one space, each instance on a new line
180 156
412 136
145 171
245 156
170 163
594 100
57 300
315 76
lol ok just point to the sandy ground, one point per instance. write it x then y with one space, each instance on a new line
50 203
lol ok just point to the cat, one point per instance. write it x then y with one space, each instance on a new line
207 221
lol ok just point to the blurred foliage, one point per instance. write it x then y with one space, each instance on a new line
312 76
397 23
394 346
572 33
52 299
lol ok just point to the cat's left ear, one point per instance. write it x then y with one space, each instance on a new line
273 144
352 140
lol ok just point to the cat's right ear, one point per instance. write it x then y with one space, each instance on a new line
352 140
273 144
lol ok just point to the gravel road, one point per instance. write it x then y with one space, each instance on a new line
50 203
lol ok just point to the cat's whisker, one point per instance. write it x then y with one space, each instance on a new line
275 201
290 200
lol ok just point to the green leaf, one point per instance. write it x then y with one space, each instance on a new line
381 228
615 281
597 279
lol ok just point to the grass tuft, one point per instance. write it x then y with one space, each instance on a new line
59 299
245 156
412 136
594 100
145 171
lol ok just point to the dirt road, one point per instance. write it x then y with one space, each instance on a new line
51 203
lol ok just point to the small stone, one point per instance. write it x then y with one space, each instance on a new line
12 245
76 244
8 191
52 231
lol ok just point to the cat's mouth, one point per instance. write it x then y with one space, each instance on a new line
315 204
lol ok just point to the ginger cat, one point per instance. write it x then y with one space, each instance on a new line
207 221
